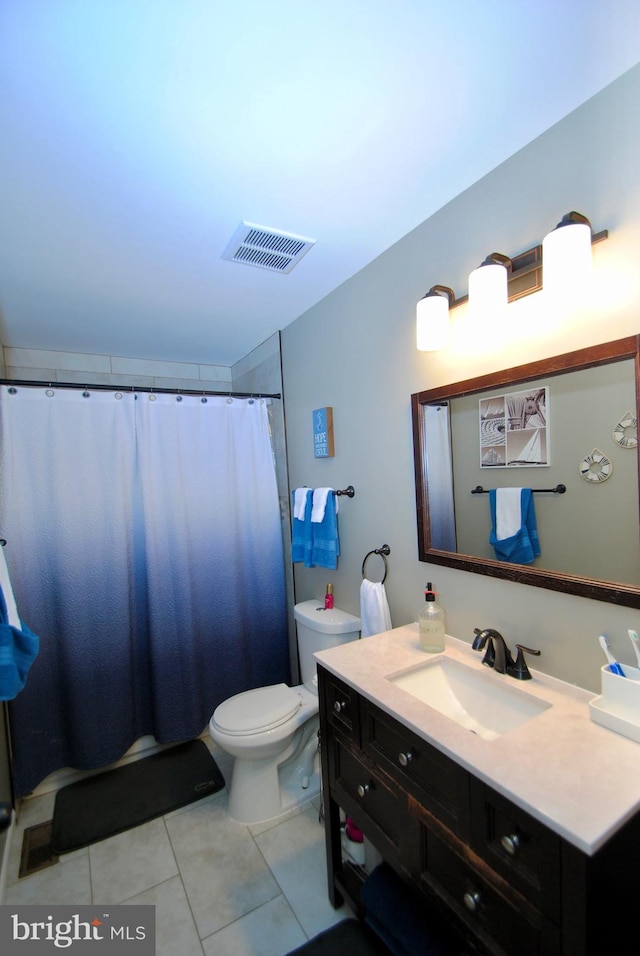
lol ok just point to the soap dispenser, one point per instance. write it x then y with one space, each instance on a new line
431 623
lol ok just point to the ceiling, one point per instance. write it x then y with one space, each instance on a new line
136 135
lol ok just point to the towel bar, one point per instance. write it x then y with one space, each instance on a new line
558 490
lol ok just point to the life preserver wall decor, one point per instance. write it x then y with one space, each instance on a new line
625 433
595 467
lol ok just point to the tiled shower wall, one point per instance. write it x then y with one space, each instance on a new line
80 368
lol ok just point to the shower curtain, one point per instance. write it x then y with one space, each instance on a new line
145 547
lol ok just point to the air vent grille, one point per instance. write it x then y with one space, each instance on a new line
265 248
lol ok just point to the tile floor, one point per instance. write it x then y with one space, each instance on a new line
220 888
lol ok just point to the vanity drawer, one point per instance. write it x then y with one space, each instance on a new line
341 703
440 784
518 847
369 796
500 916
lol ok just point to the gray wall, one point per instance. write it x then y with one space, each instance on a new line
355 351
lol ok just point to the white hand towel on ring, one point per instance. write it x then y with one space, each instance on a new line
375 616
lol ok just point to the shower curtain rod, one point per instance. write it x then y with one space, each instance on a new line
136 388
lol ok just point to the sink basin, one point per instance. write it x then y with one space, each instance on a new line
475 700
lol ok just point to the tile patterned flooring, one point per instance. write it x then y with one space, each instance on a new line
220 888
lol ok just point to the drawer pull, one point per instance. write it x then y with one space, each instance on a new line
339 706
510 843
472 900
363 789
404 759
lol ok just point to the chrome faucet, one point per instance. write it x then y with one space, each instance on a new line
498 655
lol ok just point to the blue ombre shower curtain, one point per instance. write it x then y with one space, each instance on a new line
145 549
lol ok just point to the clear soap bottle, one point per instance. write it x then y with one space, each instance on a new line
431 623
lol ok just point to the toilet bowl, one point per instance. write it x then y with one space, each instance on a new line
272 732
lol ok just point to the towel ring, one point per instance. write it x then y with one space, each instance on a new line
384 550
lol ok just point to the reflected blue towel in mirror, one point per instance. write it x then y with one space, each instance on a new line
523 546
18 650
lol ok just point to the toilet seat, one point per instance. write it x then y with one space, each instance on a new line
257 711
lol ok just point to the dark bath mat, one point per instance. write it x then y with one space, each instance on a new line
117 800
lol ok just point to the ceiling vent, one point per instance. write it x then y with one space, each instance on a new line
265 248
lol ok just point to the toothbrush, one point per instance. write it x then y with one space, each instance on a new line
633 635
614 667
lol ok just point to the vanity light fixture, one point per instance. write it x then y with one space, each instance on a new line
563 249
488 291
566 255
432 318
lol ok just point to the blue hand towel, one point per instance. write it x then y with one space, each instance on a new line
18 649
301 527
325 541
523 546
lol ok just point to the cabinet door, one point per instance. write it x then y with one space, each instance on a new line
501 918
374 801
340 703
518 847
431 777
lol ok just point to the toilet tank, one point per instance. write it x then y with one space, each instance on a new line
319 629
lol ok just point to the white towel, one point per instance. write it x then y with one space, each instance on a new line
5 582
508 512
374 608
300 502
320 496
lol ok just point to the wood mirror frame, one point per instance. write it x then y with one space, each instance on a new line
600 590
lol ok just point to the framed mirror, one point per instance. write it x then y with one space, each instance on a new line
545 426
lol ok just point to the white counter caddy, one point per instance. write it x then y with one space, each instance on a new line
618 707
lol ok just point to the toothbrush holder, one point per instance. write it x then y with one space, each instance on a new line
621 695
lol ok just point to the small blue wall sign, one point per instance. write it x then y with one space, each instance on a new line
323 433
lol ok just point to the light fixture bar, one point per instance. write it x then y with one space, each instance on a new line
525 276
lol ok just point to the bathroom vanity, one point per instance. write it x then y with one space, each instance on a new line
524 833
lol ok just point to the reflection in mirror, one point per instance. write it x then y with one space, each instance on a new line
437 443
537 426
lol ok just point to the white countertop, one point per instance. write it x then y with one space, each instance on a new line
577 777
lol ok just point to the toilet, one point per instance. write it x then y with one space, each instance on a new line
272 732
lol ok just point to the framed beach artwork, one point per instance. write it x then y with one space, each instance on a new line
514 429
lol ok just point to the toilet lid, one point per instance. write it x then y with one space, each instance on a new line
257 710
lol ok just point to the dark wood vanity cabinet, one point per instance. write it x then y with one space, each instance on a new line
508 884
